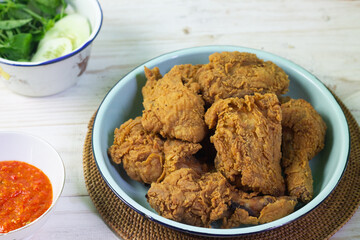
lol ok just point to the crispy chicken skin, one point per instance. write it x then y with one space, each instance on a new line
172 106
258 210
179 154
248 140
140 152
303 137
188 76
189 197
147 158
236 74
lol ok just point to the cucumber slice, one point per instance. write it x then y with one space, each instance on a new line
52 48
75 27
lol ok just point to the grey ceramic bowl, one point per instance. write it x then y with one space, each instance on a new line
124 101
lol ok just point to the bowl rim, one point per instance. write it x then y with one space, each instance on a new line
91 38
209 231
57 197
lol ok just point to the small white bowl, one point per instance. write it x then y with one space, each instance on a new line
38 79
35 151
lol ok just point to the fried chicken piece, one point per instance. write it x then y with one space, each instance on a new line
303 136
258 210
236 74
140 152
172 106
248 139
179 154
189 197
147 158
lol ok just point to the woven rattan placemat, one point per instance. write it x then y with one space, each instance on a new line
321 223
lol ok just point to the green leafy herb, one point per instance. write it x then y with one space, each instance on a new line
23 24
18 47
48 7
11 24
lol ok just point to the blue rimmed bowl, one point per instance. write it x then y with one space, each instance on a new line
38 79
124 101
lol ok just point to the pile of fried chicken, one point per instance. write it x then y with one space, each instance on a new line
218 142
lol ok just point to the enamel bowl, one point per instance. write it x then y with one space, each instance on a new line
124 101
27 148
38 79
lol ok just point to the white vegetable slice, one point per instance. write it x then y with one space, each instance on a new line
52 48
75 27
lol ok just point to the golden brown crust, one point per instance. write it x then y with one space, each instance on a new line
303 137
188 197
147 158
179 154
259 210
140 152
236 74
172 107
247 139
201 199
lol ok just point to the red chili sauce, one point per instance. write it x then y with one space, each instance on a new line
25 194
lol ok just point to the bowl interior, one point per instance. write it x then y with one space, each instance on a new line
91 10
124 101
33 150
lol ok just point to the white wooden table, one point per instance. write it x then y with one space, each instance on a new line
322 36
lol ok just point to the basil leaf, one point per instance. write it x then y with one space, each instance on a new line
18 48
46 8
11 24
18 13
53 4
